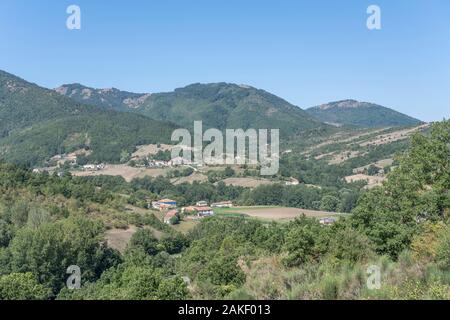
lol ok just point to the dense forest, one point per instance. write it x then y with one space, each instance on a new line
48 223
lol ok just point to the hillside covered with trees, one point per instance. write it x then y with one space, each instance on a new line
37 123
48 223
218 105
360 114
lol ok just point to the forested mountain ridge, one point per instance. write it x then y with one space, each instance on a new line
228 105
37 123
107 98
218 105
23 104
361 114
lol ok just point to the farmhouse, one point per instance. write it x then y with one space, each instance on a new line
292 182
94 167
222 204
201 211
169 215
327 221
179 161
201 204
204 211
189 209
164 204
90 167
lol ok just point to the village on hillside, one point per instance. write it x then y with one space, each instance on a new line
173 214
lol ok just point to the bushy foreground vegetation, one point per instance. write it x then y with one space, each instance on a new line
48 223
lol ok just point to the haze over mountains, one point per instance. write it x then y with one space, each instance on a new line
37 123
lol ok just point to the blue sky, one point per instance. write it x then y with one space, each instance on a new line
308 52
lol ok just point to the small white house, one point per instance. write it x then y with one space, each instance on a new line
179 161
327 221
204 211
89 167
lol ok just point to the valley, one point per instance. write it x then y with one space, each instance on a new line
87 176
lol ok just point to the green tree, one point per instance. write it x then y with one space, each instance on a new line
144 240
443 249
329 203
415 192
303 242
50 249
22 286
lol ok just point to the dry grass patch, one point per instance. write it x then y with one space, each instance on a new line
119 238
247 182
150 149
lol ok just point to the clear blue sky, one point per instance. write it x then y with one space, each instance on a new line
308 52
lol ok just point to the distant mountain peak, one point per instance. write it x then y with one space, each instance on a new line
105 97
219 105
349 103
36 123
362 114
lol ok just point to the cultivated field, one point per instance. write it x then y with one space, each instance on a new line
274 213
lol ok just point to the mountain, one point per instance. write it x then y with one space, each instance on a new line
23 103
218 105
108 98
361 114
37 123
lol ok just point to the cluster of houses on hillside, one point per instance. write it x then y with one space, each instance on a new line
71 160
94 167
199 211
151 163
